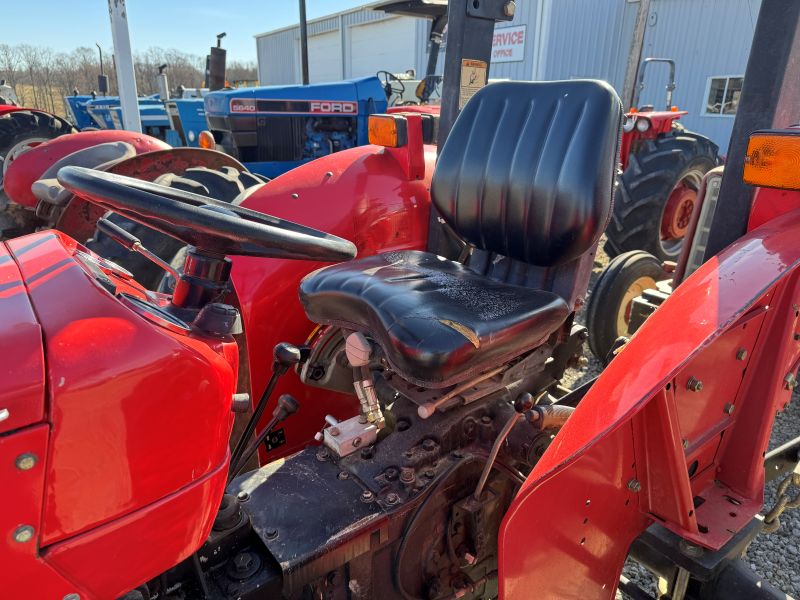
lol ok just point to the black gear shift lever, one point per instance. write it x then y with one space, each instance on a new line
285 356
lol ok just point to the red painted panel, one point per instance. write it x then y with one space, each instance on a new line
567 533
22 367
24 573
360 194
115 558
579 462
137 411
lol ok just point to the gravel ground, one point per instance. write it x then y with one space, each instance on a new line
775 557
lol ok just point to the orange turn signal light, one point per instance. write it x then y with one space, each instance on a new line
205 139
673 108
390 131
773 159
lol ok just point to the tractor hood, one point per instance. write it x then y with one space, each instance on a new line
342 97
22 367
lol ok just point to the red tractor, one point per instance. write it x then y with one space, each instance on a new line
662 166
406 435
21 129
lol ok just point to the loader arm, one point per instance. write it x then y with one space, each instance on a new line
674 430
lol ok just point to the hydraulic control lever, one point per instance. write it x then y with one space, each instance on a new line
287 405
285 356
133 244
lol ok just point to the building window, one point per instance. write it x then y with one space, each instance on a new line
722 97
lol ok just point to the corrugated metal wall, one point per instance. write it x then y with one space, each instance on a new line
583 38
278 52
588 39
706 39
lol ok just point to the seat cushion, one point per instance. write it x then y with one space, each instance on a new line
437 321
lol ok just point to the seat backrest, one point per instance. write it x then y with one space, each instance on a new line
528 169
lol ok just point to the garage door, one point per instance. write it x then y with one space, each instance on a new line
325 57
383 46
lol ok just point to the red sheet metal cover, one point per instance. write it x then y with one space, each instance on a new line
21 352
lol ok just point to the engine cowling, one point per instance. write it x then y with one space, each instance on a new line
136 410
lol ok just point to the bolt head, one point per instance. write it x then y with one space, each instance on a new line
694 384
634 485
509 8
242 561
272 534
685 443
72 596
344 475
367 496
428 444
243 496
741 354
392 498
728 408
356 442
25 462
23 534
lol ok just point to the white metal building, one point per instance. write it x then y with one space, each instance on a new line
548 39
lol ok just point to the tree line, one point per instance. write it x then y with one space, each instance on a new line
41 77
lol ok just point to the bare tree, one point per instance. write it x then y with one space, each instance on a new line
41 78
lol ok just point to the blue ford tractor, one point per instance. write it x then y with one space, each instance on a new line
274 129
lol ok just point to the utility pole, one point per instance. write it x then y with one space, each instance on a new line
303 41
635 56
123 60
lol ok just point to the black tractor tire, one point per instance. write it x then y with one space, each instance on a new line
655 168
224 184
16 129
608 308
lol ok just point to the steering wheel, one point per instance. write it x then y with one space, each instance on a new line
388 80
210 225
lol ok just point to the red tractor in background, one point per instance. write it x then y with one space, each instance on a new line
662 166
20 129
659 190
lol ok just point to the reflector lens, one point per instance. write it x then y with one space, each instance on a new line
773 160
387 130
205 139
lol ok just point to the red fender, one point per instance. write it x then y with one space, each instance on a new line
7 108
362 194
644 442
79 217
29 167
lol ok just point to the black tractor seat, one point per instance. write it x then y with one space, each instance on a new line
437 321
526 174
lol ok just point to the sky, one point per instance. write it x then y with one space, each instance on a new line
188 25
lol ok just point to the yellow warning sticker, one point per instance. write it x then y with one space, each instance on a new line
473 78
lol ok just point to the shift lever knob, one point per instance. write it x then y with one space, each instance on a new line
287 405
286 355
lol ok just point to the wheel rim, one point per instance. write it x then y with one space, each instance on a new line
634 290
15 152
677 213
